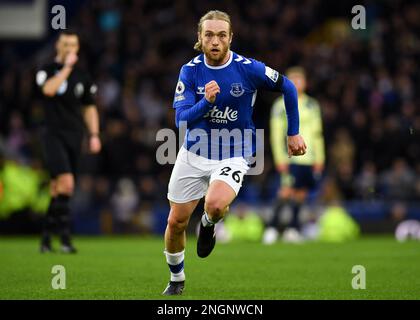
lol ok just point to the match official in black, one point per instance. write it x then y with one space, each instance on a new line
69 111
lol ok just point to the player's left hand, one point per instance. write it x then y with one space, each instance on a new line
94 144
296 145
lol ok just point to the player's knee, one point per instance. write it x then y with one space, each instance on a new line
215 209
176 225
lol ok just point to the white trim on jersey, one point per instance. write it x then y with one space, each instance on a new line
254 97
240 58
223 65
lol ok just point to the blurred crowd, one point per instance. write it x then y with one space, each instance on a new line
367 82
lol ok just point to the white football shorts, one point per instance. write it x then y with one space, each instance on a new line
192 175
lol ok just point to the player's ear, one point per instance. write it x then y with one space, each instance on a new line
57 45
57 42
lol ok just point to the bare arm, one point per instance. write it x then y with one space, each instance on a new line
91 117
51 86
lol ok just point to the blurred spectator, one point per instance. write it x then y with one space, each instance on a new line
336 225
417 183
406 230
398 212
344 178
17 143
22 188
124 202
242 224
398 182
366 182
342 150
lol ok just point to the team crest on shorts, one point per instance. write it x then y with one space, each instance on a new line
237 90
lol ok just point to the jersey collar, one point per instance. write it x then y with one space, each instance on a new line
223 65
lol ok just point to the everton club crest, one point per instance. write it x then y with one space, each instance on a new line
237 90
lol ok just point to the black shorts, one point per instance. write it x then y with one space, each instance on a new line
61 152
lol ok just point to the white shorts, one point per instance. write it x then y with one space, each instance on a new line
192 175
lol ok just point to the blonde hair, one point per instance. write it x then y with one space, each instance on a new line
212 15
296 70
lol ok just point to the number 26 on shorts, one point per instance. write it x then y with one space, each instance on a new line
236 175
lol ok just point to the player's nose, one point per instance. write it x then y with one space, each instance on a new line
215 42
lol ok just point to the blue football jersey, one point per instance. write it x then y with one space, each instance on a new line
239 80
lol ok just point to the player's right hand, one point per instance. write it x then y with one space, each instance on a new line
296 145
95 144
211 89
71 59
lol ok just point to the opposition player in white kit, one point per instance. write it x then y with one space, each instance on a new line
216 91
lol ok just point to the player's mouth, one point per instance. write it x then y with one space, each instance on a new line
214 50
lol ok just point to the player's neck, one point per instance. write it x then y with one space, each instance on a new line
217 64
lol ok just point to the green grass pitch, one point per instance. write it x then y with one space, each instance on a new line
135 268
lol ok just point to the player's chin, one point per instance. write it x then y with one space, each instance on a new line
214 54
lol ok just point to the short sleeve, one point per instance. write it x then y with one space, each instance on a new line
42 75
184 91
89 93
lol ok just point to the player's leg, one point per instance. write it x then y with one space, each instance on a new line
49 220
58 214
65 189
303 181
58 164
175 239
292 230
299 198
225 182
179 216
66 181
219 196
186 187
284 198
